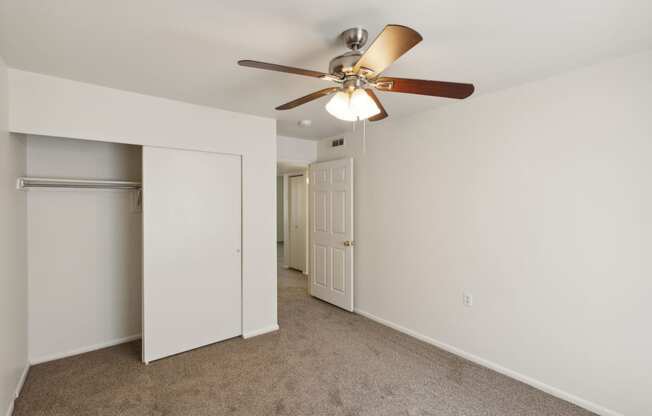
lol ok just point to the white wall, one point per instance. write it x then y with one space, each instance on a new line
538 201
50 106
84 248
13 263
290 149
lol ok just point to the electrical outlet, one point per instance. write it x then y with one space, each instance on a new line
467 299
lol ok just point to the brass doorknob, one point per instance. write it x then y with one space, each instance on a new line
349 243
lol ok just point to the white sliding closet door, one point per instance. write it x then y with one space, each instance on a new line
192 293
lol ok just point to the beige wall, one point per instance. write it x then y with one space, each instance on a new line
538 201
13 263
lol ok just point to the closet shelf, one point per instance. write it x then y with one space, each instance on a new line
27 182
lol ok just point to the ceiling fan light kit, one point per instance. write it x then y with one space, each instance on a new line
358 73
352 106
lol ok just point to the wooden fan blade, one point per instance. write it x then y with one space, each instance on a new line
383 113
283 68
425 87
388 46
307 98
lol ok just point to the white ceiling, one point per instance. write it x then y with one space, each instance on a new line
187 49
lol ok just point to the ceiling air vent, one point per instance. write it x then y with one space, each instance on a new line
337 142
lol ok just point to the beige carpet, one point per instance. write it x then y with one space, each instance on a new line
323 361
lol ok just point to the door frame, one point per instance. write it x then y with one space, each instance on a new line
287 216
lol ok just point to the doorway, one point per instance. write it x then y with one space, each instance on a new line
292 215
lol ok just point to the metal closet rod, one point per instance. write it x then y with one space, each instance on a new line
26 182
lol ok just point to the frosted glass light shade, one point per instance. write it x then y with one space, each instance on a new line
362 105
351 107
339 107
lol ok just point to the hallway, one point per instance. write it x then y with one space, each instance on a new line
323 361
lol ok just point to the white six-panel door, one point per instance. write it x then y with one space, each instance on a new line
331 236
191 250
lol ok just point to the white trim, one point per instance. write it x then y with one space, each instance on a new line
593 407
77 351
21 381
260 331
10 409
19 388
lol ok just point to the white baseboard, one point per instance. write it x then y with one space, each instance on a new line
588 405
19 388
77 351
261 331
10 409
21 381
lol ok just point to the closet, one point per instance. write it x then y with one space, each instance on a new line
127 241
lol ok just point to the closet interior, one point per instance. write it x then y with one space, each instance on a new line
84 245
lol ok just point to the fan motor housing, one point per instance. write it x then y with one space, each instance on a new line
343 64
354 39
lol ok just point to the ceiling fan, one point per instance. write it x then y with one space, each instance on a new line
357 73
